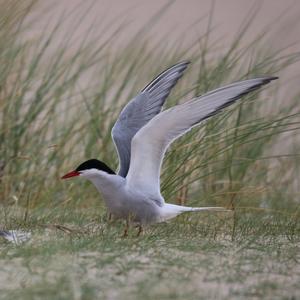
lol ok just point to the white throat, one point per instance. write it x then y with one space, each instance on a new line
105 183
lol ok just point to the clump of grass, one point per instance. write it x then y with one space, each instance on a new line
58 103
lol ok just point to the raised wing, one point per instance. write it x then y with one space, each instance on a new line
141 110
150 143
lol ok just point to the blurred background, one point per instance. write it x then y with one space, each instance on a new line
190 19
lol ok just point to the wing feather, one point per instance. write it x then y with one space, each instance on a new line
141 110
150 143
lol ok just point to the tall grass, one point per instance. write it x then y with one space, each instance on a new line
58 103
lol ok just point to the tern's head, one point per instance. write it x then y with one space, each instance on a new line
90 168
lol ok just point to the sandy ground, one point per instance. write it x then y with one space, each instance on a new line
163 271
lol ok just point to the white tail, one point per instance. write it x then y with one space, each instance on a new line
187 209
169 211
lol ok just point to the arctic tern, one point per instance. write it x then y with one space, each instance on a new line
142 134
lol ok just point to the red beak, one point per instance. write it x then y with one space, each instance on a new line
71 174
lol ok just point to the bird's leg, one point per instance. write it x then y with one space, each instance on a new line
125 234
111 218
140 230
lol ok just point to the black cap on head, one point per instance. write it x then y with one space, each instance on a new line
95 164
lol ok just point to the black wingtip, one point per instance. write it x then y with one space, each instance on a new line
267 79
183 64
271 78
186 63
180 68
263 80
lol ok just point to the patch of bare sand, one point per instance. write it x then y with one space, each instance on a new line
159 272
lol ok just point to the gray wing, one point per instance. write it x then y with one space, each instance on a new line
151 142
140 110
